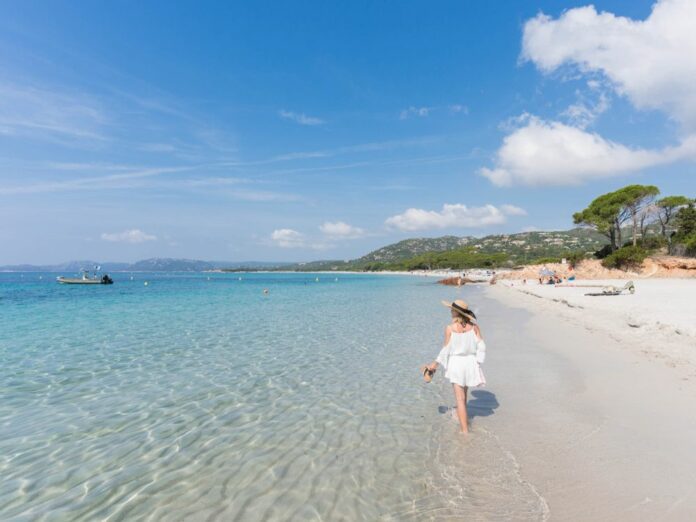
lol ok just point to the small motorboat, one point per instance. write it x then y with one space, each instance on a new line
86 279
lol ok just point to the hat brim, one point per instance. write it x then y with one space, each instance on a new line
468 313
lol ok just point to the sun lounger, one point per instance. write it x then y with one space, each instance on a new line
612 290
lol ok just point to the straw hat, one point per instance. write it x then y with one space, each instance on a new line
461 307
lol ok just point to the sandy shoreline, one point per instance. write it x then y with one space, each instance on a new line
659 318
598 414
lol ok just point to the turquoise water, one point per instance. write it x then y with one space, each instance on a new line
199 397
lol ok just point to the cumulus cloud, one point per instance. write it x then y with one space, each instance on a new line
341 230
421 112
288 238
552 153
300 118
452 216
649 61
129 236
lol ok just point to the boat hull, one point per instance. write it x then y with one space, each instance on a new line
71 281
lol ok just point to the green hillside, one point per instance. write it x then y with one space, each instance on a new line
469 252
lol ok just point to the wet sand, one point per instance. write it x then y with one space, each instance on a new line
599 426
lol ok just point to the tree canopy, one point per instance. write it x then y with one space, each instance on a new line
637 204
635 200
667 208
609 212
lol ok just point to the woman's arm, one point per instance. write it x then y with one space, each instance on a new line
448 334
480 351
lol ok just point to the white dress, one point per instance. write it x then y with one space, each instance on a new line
462 358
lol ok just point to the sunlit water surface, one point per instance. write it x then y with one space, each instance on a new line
199 397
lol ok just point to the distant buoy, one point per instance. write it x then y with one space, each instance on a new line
265 291
240 278
145 283
131 278
40 277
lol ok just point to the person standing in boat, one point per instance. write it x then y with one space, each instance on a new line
462 356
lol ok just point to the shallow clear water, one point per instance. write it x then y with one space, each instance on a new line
198 397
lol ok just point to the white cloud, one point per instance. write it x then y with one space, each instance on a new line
300 118
421 112
129 236
451 216
552 153
288 238
584 112
650 61
512 210
341 230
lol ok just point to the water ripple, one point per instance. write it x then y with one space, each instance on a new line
192 399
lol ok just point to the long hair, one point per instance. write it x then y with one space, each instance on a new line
461 318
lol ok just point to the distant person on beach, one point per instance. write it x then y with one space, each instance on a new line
571 273
462 356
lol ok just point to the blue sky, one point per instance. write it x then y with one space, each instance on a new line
314 130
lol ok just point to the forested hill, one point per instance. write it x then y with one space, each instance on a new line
493 250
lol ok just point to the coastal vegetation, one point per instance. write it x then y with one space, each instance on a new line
621 228
653 224
493 251
626 257
609 213
685 234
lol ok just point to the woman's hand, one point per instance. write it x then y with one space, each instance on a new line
433 367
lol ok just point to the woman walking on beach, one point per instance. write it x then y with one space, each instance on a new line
462 355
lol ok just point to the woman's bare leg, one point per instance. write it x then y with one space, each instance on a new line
460 396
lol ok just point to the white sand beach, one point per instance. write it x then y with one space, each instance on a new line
660 317
597 396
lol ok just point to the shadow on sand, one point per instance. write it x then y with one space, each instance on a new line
481 403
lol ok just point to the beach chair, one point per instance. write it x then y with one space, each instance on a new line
613 290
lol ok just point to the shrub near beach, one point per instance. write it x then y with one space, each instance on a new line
686 229
626 257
